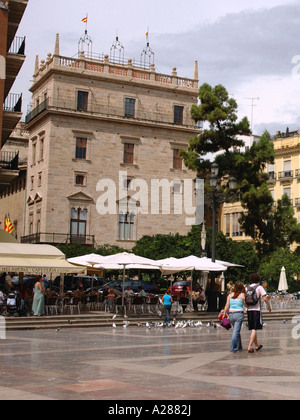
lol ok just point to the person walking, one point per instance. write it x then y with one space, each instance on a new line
254 310
167 301
38 305
235 306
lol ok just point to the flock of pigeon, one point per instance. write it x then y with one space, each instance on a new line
175 324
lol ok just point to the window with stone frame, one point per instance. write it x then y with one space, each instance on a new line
178 114
78 225
81 148
128 153
82 100
129 107
126 226
177 160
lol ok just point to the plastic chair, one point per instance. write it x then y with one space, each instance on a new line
138 302
72 304
51 305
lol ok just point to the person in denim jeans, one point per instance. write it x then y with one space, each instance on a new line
235 306
167 301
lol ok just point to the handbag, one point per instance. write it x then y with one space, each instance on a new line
225 323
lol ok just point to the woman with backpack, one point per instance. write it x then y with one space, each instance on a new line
235 307
254 294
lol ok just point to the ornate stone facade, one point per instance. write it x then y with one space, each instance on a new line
102 135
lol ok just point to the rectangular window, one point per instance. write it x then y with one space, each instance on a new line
81 146
178 114
31 224
80 180
128 153
287 168
78 225
41 149
33 153
129 107
38 222
177 161
227 225
39 179
82 101
126 225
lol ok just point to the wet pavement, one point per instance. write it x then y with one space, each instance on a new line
138 363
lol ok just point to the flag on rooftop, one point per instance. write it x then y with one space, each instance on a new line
84 20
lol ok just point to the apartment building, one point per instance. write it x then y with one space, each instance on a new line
284 178
12 56
103 157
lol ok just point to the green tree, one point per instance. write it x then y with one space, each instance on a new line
162 246
271 265
220 112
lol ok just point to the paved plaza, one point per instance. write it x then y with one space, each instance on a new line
138 363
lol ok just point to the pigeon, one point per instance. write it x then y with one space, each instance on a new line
114 326
57 329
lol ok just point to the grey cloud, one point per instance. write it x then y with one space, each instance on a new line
237 46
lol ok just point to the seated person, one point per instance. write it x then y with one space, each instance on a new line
200 300
141 291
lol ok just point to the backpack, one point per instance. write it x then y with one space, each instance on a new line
251 296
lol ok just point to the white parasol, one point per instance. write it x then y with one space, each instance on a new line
283 286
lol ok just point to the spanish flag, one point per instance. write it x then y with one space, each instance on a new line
84 20
8 226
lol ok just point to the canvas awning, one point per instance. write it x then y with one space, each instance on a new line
35 259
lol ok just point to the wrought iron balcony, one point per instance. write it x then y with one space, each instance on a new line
9 160
285 175
109 111
58 239
16 45
13 103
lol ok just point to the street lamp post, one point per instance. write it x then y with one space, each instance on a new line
216 198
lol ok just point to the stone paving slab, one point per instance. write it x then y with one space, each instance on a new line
141 364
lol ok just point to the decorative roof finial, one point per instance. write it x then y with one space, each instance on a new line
147 56
117 50
56 48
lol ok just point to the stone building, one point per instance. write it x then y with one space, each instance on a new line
103 157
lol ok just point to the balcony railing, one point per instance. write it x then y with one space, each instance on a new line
13 103
9 160
272 176
285 175
16 45
58 238
108 110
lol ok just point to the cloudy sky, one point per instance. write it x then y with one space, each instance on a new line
252 47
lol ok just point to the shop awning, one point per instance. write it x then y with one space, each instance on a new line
35 259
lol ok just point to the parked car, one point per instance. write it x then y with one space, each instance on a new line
149 288
74 282
28 281
179 287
